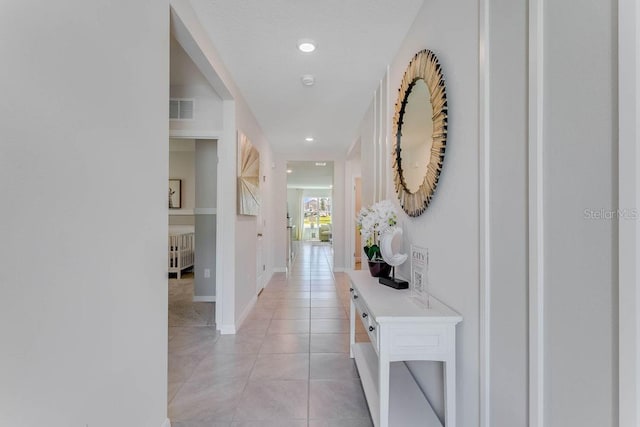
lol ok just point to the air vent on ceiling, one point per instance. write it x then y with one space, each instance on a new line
181 109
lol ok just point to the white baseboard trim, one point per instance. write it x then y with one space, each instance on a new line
280 269
166 423
227 329
232 329
339 269
204 298
246 311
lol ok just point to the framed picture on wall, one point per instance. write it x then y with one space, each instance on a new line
175 193
248 177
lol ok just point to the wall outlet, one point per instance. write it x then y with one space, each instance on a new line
207 273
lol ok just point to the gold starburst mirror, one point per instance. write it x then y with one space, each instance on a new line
420 130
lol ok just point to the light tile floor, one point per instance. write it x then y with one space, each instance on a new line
288 365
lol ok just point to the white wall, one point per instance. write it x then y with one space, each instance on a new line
279 219
83 317
188 82
506 257
205 218
449 228
580 172
247 226
367 142
338 228
207 109
182 166
629 199
237 234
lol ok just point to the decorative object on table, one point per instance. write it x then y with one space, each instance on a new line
379 268
372 222
419 274
389 246
175 193
248 177
420 129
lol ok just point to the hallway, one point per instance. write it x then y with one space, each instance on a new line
288 365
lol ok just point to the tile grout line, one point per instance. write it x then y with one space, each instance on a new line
309 355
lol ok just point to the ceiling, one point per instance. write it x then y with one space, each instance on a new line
309 175
356 39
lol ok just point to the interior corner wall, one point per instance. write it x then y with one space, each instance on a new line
580 218
84 170
449 228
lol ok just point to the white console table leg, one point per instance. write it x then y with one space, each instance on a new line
383 390
450 392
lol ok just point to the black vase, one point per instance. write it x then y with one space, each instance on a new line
379 268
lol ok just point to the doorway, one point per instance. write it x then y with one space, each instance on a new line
193 165
310 201
317 222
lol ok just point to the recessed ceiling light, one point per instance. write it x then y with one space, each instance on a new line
289 171
306 45
308 80
309 139
321 163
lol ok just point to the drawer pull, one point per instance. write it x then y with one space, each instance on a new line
371 328
364 315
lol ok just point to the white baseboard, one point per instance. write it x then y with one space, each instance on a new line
246 311
204 298
232 329
270 276
280 269
227 329
339 269
166 423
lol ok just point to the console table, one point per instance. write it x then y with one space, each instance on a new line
400 329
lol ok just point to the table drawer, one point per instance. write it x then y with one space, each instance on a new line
418 341
368 320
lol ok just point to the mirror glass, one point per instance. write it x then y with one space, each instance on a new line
416 130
